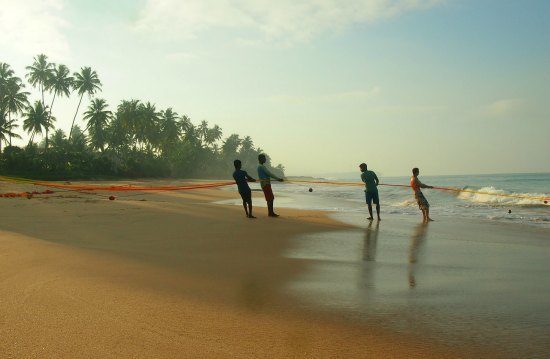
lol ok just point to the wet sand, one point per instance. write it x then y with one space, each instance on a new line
465 283
169 275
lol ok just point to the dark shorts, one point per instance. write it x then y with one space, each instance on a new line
246 196
268 193
421 200
371 197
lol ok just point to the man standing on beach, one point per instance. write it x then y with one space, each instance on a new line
419 196
241 179
265 181
371 189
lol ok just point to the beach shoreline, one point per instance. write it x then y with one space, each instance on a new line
171 274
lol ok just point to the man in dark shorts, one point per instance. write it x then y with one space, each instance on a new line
371 189
419 196
265 181
242 178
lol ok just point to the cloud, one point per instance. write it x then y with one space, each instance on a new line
29 27
504 108
286 21
353 96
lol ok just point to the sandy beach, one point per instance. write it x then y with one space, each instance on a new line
172 274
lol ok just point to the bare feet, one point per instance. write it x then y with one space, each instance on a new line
273 215
251 216
379 218
370 218
429 220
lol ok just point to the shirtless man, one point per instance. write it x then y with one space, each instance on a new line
419 196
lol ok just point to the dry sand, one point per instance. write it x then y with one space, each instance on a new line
165 275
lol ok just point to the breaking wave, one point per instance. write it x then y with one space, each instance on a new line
493 196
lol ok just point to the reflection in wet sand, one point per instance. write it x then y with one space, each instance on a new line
371 239
476 286
417 241
368 269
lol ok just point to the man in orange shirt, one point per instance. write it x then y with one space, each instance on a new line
419 196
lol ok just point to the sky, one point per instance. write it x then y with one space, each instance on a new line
452 87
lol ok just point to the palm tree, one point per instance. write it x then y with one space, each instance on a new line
85 81
147 127
60 82
170 129
247 145
184 123
203 130
6 131
39 73
98 117
6 73
213 134
36 119
231 145
78 144
14 100
58 138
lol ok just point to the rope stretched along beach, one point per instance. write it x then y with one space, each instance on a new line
117 188
449 189
123 188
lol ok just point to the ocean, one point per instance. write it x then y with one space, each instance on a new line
398 200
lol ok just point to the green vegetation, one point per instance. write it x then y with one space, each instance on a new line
136 140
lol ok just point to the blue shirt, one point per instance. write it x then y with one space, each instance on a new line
265 175
371 181
240 177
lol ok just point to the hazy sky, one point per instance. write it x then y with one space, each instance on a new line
449 86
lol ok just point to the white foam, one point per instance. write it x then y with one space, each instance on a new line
494 196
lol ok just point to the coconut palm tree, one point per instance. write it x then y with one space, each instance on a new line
85 81
60 82
39 74
169 129
36 119
184 123
231 145
98 117
14 99
247 145
5 74
6 131
147 130
203 130
58 138
213 134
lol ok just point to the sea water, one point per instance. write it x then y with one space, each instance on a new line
489 205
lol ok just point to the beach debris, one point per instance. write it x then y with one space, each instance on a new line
509 211
310 189
111 198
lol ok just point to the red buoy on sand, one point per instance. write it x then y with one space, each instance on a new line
111 198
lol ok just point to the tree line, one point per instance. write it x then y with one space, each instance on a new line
135 140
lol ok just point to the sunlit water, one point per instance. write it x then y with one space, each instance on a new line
398 200
485 286
477 277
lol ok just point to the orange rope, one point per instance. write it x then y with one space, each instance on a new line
116 188
451 189
121 188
